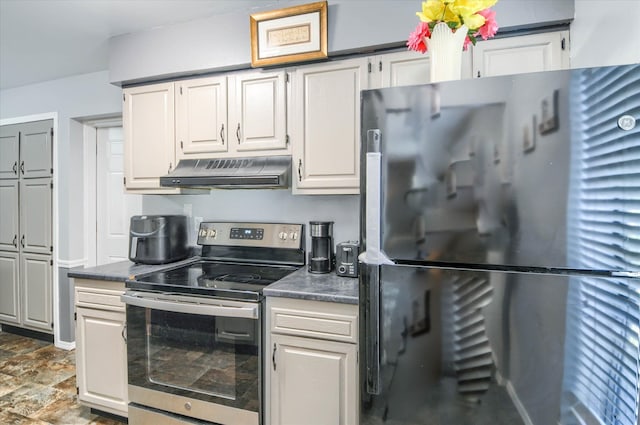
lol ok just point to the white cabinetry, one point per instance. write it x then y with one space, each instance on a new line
326 126
36 272
101 351
148 121
311 363
26 266
527 53
9 287
406 69
242 114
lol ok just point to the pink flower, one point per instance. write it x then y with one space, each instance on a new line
467 41
490 27
416 38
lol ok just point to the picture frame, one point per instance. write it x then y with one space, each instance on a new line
292 34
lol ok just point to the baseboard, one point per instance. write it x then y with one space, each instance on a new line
70 264
64 345
518 404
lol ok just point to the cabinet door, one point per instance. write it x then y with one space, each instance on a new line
515 55
35 216
257 111
9 207
326 127
35 272
101 364
201 117
312 382
9 288
36 149
9 151
148 121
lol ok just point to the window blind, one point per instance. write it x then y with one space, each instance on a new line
602 363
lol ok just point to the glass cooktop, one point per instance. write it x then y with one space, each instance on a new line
213 278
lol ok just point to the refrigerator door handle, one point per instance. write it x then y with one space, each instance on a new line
372 330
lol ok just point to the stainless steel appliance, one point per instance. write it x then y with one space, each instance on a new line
158 239
194 332
500 224
321 258
347 259
255 172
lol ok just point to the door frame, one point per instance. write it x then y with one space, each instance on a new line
54 219
90 151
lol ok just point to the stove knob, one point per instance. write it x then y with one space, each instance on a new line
187 405
282 235
211 233
203 232
293 236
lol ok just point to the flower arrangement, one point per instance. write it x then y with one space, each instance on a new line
478 19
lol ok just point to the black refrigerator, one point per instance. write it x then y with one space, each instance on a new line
500 230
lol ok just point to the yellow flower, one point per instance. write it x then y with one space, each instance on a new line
474 21
435 10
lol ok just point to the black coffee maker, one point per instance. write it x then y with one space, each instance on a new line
321 258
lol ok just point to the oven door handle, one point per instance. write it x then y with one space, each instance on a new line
251 312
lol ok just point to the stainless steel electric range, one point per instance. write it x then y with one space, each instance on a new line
194 332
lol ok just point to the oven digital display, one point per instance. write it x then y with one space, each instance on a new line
246 233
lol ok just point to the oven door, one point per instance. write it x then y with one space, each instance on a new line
194 356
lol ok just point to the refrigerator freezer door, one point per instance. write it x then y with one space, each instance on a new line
534 167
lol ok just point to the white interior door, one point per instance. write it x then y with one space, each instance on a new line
114 207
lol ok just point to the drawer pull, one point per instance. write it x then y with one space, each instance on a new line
273 356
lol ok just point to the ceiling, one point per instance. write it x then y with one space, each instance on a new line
43 40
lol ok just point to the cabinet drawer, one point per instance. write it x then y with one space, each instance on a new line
99 298
315 319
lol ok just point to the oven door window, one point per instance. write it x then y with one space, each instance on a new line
212 358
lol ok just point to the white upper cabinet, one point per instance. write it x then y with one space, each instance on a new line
9 151
35 216
9 215
26 150
527 53
407 69
325 126
148 121
201 117
224 116
258 112
242 114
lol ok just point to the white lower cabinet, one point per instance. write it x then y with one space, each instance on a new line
9 288
101 350
311 363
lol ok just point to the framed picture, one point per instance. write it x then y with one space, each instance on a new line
293 34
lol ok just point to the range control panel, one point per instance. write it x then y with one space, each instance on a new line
265 235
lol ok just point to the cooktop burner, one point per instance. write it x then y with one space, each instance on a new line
213 278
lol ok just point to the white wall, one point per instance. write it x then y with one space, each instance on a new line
223 41
605 33
86 95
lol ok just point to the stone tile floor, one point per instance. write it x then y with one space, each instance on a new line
38 385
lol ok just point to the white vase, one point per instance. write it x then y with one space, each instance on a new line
445 48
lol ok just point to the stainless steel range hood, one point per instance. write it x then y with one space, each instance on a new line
272 172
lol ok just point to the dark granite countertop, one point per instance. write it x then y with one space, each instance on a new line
319 287
121 270
300 284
